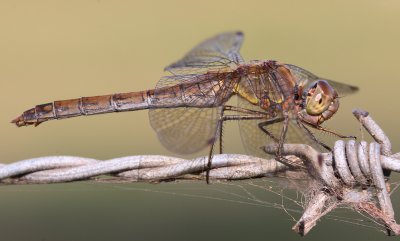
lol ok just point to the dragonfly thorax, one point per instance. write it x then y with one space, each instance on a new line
265 83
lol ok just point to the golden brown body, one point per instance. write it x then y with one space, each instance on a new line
265 84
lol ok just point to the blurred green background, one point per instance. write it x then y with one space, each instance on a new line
51 50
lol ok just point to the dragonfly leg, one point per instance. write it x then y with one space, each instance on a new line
220 129
238 110
209 161
282 138
283 135
334 133
262 126
221 121
311 135
280 141
242 110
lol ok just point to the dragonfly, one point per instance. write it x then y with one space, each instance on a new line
276 102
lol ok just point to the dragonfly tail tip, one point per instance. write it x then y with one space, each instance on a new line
19 121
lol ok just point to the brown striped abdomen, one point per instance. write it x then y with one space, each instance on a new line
84 106
203 93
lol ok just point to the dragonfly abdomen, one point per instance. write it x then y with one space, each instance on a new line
84 106
209 92
167 97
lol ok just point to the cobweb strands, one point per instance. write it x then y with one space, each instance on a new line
352 175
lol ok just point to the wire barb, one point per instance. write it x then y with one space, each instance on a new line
357 166
351 175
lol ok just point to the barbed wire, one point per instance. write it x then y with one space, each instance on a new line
341 176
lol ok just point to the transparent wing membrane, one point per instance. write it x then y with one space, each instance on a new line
190 122
202 84
185 130
305 77
220 51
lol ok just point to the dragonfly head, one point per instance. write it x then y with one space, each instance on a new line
320 102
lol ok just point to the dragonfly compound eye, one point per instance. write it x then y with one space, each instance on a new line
319 97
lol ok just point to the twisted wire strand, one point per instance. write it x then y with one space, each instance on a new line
350 166
55 169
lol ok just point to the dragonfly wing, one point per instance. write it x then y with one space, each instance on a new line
342 89
220 51
185 130
189 129
190 121
305 77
